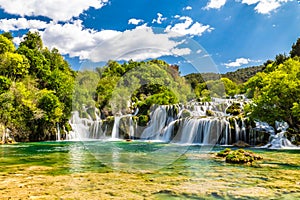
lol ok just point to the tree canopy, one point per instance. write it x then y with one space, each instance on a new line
36 88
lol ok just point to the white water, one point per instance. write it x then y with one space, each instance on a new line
58 137
279 140
195 123
85 128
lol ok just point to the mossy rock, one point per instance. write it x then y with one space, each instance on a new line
224 152
239 156
235 109
185 113
210 113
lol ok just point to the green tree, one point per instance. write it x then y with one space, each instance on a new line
278 97
13 65
5 84
295 49
36 88
32 41
8 35
230 86
6 45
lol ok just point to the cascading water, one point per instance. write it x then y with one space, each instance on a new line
85 128
278 141
58 136
159 120
115 131
195 123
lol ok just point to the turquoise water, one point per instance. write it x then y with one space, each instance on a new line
160 171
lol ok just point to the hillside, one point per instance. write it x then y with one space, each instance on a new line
238 76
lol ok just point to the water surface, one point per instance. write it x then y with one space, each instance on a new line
142 170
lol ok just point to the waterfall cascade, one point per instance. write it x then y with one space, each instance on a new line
279 140
207 123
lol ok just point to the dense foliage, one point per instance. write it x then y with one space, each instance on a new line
125 87
276 93
243 75
208 85
36 88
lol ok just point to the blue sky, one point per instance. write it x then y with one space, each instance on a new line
198 35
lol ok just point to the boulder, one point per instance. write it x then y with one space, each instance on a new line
241 144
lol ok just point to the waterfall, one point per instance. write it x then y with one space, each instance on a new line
115 131
278 141
85 128
205 123
156 125
58 137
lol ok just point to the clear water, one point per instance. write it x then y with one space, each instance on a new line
142 170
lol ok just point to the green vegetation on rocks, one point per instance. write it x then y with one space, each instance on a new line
239 156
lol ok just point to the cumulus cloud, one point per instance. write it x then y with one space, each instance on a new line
135 21
215 4
58 10
21 23
74 39
138 44
188 27
238 62
159 19
265 6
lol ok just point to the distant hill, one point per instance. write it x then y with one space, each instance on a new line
238 76
242 75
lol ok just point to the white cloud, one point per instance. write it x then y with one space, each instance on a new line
215 4
21 23
188 27
58 10
262 6
138 44
188 8
159 19
265 6
238 62
181 51
73 39
135 21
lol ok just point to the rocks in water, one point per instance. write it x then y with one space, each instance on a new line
241 144
239 156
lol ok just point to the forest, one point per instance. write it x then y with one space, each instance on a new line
39 89
36 88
